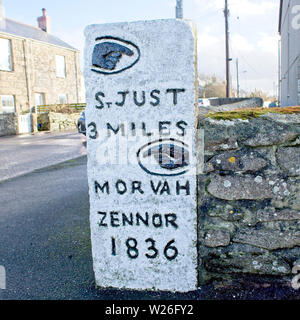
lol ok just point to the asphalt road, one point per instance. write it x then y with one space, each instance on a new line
45 243
44 234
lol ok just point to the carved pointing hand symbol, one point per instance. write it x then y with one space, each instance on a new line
106 55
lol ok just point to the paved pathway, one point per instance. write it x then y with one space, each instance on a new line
26 153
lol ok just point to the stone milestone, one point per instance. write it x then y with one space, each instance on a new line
141 121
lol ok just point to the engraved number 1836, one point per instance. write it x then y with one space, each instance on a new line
170 251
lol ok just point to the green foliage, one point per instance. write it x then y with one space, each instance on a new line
213 87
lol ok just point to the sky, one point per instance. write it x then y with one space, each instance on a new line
253 30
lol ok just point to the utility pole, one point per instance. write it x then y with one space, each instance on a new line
179 9
279 73
237 79
226 13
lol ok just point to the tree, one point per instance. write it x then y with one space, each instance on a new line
211 86
258 94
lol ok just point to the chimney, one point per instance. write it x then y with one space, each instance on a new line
44 21
2 16
179 10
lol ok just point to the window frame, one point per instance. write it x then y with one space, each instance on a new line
58 75
11 55
1 103
65 95
40 94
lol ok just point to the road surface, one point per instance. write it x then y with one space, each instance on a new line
26 153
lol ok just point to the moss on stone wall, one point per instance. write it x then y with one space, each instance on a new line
246 114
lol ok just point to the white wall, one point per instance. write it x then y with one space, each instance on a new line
290 53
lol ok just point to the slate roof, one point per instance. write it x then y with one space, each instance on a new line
22 30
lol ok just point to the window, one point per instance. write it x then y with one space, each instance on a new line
8 104
39 99
60 67
5 55
62 99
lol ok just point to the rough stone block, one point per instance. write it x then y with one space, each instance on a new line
217 238
271 214
289 160
268 239
247 187
240 161
292 199
242 262
265 133
8 124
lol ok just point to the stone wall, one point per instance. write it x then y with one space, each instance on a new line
230 104
8 124
243 104
53 121
249 198
215 102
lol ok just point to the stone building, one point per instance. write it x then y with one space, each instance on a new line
36 67
289 29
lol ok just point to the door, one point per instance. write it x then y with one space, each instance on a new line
24 123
